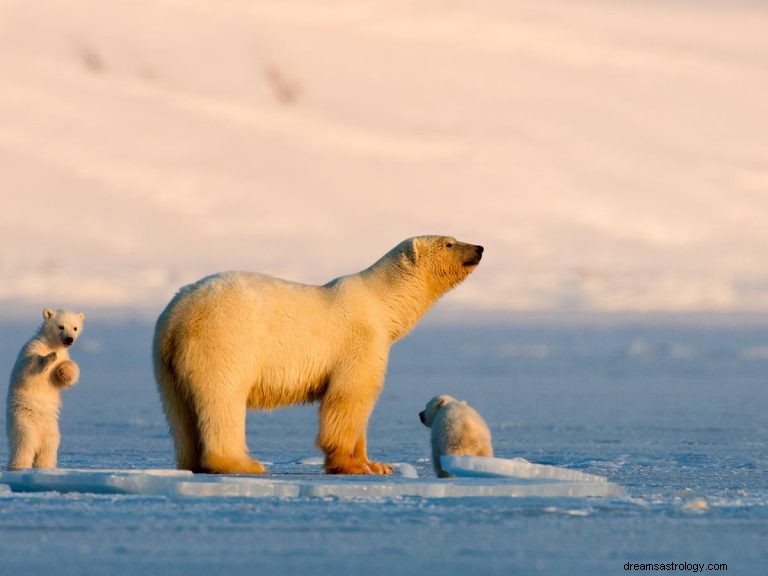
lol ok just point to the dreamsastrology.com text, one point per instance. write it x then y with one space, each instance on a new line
688 566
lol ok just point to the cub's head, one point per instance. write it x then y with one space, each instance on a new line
61 327
427 416
442 261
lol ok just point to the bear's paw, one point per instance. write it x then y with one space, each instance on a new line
65 374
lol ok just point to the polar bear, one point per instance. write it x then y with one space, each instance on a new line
457 429
42 370
239 340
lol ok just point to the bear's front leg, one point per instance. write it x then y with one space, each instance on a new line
41 363
65 374
361 453
343 422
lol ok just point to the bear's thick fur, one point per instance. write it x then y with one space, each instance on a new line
238 340
42 369
457 429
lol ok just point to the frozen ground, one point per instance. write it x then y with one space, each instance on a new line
676 415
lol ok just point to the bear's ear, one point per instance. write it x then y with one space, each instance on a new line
442 401
47 314
81 316
411 250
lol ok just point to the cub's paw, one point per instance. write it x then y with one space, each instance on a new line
44 361
65 374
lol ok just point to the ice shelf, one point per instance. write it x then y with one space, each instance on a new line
485 467
310 485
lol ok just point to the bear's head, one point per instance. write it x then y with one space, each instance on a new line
61 327
442 261
427 416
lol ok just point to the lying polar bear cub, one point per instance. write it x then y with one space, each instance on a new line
457 429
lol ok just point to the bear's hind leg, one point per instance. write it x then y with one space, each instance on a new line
186 441
25 442
49 448
222 438
218 463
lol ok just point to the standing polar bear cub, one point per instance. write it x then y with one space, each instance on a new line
239 340
457 429
42 369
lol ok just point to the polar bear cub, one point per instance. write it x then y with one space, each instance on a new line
457 429
42 370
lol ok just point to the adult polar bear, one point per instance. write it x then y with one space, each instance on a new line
238 340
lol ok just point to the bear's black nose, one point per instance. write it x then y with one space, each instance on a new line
68 341
421 417
475 255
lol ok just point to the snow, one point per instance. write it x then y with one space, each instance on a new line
406 470
683 435
609 155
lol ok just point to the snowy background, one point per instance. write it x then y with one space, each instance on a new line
612 157
609 155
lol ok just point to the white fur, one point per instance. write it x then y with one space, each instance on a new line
239 340
41 370
457 430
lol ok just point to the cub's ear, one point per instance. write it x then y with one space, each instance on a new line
81 316
47 313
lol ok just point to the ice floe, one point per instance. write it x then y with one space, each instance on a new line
485 467
297 485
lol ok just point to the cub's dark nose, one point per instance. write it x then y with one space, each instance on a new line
479 250
421 417
68 341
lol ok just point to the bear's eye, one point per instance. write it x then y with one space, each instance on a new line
61 327
75 328
449 244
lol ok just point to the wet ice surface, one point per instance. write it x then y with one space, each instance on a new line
676 416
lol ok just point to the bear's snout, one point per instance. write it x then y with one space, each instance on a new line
475 256
421 416
68 340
